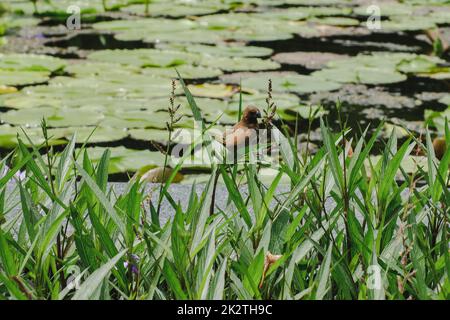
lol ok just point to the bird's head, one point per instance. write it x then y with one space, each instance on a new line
251 115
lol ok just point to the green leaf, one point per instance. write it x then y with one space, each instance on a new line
324 275
6 256
102 198
173 282
92 283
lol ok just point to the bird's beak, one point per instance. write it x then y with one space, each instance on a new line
258 114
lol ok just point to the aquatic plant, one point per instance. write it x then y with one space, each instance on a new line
340 228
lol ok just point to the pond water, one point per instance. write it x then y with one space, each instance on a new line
115 71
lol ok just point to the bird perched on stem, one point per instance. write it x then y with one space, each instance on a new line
236 138
244 129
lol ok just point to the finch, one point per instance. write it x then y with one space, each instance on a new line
244 130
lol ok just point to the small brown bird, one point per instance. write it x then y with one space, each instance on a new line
237 137
244 129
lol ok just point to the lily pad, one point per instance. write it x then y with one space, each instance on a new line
54 117
156 135
186 36
297 83
283 101
419 64
127 160
7 89
8 136
90 134
437 119
335 21
239 64
103 69
141 119
231 50
30 62
367 75
146 25
408 23
378 68
212 90
310 60
21 78
445 100
144 57
178 10
186 71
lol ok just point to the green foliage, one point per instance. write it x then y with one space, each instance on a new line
266 244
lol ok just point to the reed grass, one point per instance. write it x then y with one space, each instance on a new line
65 234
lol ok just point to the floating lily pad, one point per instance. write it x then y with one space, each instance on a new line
20 78
220 117
408 23
368 75
17 21
445 100
54 117
310 60
338 75
438 74
156 135
301 13
212 90
127 160
146 25
144 57
30 62
186 36
379 68
178 10
90 134
370 100
8 136
59 8
335 21
219 50
283 101
419 64
141 119
298 84
184 136
103 69
132 86
186 71
437 119
239 64
386 9
7 89
399 131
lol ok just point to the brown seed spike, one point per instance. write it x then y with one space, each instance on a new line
269 260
